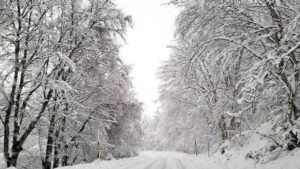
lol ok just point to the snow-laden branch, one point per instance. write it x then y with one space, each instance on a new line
293 49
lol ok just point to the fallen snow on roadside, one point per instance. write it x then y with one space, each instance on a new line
154 160
252 141
237 160
234 159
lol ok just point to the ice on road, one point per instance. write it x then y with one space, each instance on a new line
154 160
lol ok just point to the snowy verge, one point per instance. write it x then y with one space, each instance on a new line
112 164
154 160
257 149
236 156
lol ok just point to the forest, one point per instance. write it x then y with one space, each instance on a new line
229 91
234 69
63 87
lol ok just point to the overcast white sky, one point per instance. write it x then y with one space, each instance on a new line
146 46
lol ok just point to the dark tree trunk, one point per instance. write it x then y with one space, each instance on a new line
50 143
51 137
65 157
56 149
17 146
223 128
63 144
11 162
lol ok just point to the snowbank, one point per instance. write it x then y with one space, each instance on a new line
154 160
236 159
253 149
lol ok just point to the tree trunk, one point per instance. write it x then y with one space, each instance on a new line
50 143
51 136
12 161
65 157
222 127
293 109
56 148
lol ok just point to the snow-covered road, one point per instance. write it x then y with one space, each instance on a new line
154 160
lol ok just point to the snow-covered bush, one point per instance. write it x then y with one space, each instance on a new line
123 151
264 144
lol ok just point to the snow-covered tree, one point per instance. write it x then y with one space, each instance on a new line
60 72
236 63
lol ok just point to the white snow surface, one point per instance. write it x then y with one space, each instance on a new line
235 157
174 160
2 161
154 160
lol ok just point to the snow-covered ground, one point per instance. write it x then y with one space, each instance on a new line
235 156
173 160
154 160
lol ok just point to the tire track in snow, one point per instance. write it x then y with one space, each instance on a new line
139 163
172 163
179 164
155 164
187 164
164 164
